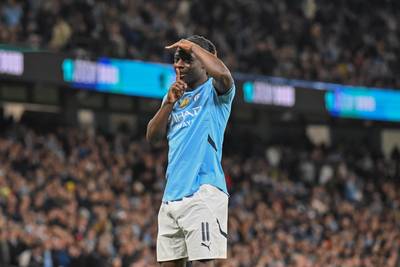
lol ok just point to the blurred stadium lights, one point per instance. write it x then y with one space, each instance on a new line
86 118
16 110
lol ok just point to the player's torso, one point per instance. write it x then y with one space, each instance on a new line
191 113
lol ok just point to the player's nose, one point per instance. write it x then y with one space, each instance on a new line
179 64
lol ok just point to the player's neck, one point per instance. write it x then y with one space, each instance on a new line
197 83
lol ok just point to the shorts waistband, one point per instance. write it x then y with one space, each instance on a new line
177 200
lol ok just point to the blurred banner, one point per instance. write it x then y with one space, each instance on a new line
266 93
30 66
146 79
126 77
364 103
11 63
282 95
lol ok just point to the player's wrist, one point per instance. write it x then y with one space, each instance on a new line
193 47
170 102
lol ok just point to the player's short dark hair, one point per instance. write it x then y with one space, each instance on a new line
203 42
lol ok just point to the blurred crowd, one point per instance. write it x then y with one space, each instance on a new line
351 42
75 198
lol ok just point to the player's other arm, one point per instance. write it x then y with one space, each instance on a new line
223 80
157 126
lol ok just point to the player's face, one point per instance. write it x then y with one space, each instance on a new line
189 66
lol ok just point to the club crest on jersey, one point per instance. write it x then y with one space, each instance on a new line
184 102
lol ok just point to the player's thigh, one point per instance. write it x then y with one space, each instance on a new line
171 245
216 203
205 225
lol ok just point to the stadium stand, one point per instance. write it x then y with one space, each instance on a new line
349 42
77 198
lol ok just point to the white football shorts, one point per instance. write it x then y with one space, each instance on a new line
194 227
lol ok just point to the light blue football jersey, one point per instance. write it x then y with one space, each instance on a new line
195 135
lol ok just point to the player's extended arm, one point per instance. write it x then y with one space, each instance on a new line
157 126
223 80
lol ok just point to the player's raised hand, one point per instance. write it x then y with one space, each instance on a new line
182 44
177 89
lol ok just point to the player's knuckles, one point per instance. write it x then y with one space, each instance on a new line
176 88
180 87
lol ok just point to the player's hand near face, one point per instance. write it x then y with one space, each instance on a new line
177 89
158 124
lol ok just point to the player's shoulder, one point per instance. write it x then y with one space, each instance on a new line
207 88
226 97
